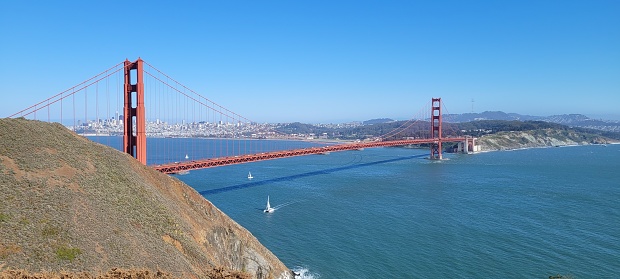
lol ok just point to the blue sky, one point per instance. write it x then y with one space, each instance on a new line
328 61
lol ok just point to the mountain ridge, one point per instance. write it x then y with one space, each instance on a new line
572 120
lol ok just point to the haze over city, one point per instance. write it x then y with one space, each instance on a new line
329 61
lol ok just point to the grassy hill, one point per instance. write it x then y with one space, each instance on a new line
69 204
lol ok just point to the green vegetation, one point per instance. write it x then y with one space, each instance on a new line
479 128
3 217
67 253
50 231
301 128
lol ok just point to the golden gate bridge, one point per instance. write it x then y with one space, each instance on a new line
92 108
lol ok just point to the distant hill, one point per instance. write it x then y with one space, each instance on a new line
452 122
301 128
572 120
487 115
580 120
69 204
377 121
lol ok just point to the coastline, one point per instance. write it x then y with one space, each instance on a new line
538 139
544 146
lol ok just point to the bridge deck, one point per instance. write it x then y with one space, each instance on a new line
216 162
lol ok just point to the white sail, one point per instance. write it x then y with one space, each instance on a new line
268 208
250 175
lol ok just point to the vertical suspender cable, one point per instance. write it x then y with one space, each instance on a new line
107 98
85 111
73 96
145 85
220 134
155 99
96 109
226 136
217 144
194 129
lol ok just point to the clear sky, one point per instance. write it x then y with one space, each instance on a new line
328 60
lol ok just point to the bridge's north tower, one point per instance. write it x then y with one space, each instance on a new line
134 139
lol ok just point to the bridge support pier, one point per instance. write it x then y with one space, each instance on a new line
436 129
468 146
134 136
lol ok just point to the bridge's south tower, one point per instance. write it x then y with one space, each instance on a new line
436 129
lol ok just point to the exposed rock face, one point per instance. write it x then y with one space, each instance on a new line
538 138
71 204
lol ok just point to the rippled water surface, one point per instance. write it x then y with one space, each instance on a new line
391 213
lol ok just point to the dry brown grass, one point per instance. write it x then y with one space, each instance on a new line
112 274
71 204
224 273
215 273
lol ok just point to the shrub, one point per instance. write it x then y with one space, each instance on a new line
4 217
67 253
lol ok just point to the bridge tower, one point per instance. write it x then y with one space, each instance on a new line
134 138
436 129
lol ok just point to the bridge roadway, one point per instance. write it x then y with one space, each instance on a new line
231 160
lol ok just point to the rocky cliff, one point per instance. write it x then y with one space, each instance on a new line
537 138
70 204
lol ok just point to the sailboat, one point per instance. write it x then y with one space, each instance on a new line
186 157
250 175
268 208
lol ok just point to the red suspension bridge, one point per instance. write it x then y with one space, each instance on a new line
92 107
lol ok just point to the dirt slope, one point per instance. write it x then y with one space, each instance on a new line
69 204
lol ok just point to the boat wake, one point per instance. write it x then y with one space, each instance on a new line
283 205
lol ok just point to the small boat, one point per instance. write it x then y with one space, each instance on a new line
268 208
250 175
186 157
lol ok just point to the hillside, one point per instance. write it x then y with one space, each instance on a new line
507 140
69 204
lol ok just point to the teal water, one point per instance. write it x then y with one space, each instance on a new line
391 213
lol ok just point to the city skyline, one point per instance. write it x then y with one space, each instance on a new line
329 62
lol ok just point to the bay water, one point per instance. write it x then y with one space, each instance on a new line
392 213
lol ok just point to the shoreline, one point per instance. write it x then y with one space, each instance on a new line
546 146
